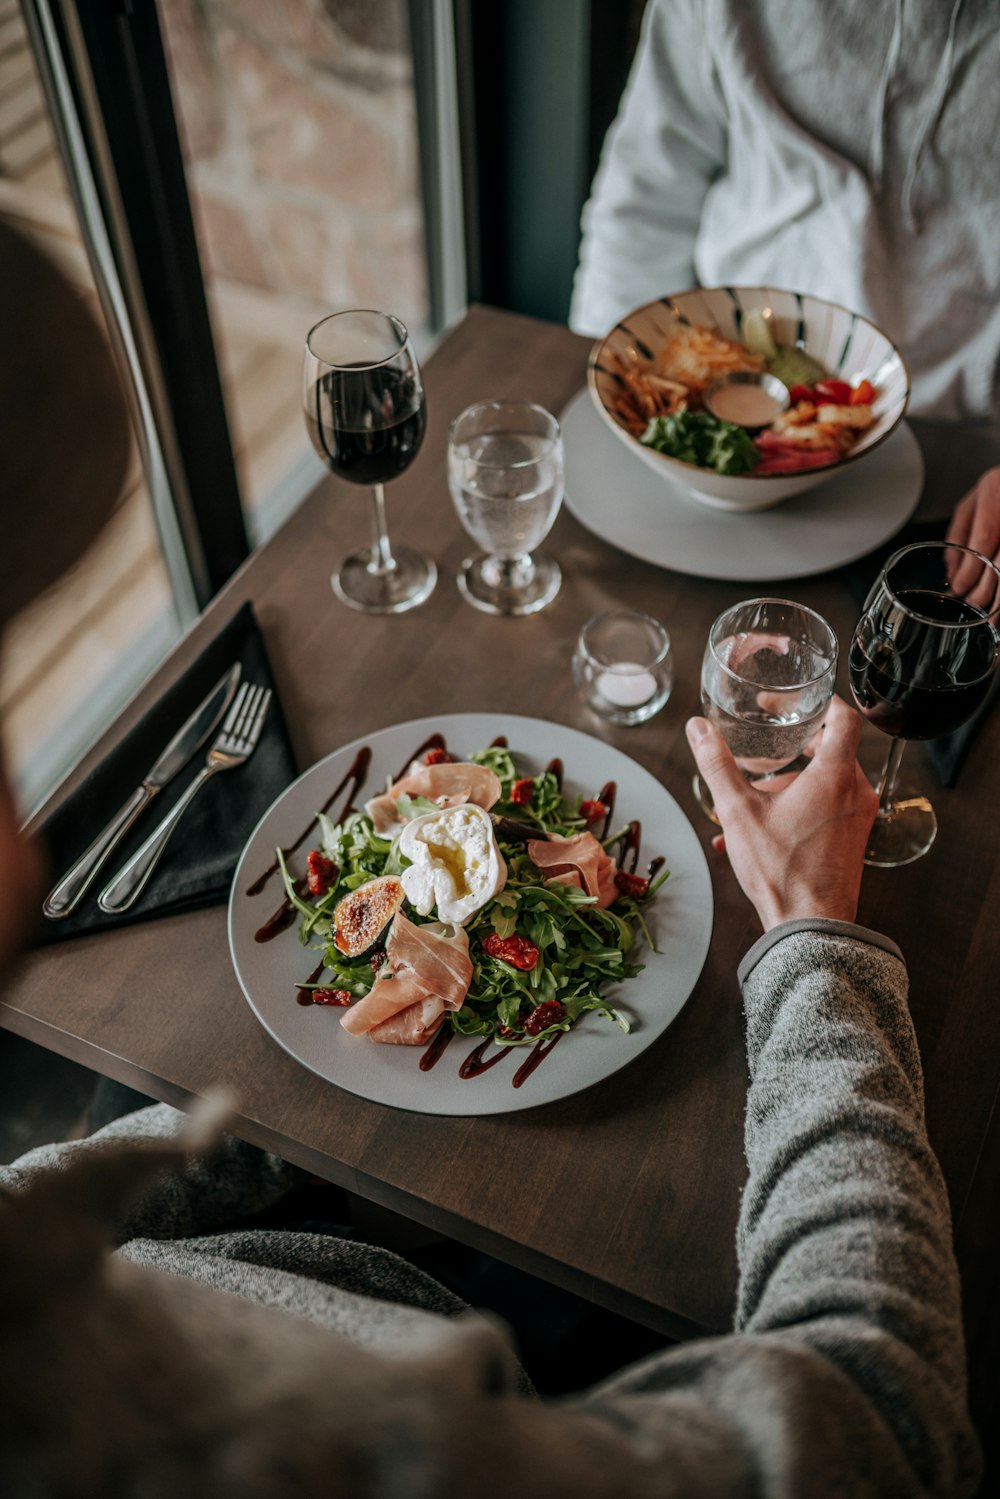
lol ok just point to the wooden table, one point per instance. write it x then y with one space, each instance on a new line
628 1193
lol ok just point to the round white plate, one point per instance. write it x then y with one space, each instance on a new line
680 920
616 496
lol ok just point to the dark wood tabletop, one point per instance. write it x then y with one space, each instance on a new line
627 1193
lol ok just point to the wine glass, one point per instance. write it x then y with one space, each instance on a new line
766 682
505 473
920 664
365 414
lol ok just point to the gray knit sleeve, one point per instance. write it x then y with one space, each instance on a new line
845 1234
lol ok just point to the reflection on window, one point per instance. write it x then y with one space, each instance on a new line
297 119
72 659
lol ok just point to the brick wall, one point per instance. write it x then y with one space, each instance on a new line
298 123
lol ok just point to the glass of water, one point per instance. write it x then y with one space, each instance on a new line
505 473
766 680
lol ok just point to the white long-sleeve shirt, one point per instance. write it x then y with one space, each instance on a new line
850 150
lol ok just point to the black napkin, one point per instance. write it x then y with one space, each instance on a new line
197 866
947 753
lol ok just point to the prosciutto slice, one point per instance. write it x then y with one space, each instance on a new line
426 973
448 785
579 861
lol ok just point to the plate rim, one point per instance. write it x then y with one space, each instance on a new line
450 723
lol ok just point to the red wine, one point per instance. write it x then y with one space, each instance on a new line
914 680
367 425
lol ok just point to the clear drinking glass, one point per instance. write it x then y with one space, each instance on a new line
923 656
505 473
365 414
623 666
766 680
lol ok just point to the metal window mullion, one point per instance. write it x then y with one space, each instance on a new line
432 42
141 374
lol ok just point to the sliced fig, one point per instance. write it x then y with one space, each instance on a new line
361 917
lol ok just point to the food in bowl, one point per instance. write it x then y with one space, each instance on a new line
693 404
655 378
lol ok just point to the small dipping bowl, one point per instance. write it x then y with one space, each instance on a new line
747 399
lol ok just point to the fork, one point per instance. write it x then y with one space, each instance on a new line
236 742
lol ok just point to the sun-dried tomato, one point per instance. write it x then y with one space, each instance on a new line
322 872
437 757
522 791
549 1013
331 997
593 811
517 951
632 884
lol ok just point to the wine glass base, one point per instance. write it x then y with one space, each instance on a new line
489 584
902 835
374 591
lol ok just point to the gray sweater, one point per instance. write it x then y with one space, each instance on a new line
844 1374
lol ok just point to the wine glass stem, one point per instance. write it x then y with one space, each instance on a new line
382 560
887 781
517 570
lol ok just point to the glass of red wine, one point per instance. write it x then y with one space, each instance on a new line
365 414
921 662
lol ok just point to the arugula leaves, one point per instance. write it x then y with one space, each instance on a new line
698 437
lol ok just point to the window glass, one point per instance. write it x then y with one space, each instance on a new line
75 656
298 124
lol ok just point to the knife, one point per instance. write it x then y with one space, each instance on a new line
64 898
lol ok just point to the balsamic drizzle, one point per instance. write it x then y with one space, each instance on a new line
432 1054
357 776
435 741
281 919
304 995
537 1054
607 795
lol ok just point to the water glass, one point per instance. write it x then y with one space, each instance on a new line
623 667
505 473
766 680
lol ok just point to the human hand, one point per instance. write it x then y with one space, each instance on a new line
976 524
800 852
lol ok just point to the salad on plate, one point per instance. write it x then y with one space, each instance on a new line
471 899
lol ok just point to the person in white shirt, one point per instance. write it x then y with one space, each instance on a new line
847 151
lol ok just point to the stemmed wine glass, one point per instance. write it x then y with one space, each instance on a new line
766 681
365 414
921 663
505 473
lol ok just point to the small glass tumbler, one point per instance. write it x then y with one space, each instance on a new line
623 667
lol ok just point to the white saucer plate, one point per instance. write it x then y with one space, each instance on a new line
679 918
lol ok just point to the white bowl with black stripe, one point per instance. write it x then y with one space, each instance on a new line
846 344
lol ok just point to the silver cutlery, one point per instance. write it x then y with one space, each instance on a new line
235 744
67 894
